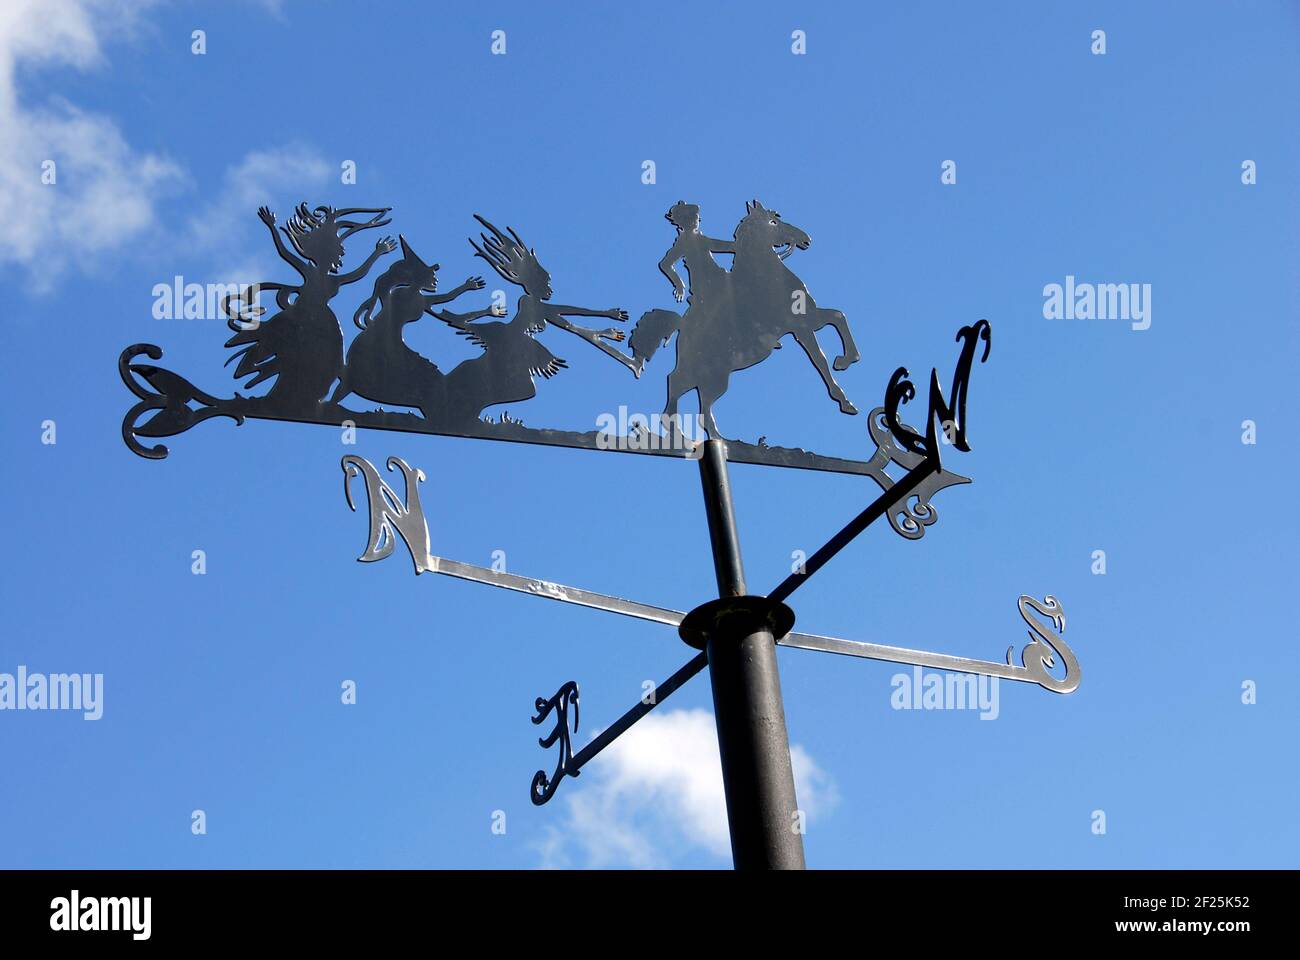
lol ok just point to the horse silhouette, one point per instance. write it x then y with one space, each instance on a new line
302 345
741 314
380 366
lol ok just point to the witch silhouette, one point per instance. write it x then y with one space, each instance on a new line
380 366
512 356
302 345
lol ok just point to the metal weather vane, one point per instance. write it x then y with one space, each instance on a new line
301 347
734 319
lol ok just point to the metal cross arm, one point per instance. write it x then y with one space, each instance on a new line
391 518
927 448
1037 658
571 763
877 509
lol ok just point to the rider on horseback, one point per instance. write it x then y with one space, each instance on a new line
738 316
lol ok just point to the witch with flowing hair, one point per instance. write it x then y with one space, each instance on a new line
516 263
302 345
512 356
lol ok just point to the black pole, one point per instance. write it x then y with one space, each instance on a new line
762 812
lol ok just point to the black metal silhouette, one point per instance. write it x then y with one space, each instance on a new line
171 397
740 315
569 764
730 315
518 264
567 696
302 345
380 366
951 419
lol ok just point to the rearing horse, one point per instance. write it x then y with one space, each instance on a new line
743 320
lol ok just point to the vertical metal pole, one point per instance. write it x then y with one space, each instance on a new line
752 738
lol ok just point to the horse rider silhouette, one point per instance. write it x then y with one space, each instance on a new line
742 314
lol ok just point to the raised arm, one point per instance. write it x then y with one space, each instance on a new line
555 313
267 217
386 245
462 319
473 283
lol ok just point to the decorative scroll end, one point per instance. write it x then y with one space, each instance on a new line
168 393
390 518
1039 656
910 516
544 787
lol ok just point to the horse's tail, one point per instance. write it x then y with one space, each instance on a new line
652 331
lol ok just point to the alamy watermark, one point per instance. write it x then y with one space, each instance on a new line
75 913
57 691
1098 301
945 691
180 300
633 431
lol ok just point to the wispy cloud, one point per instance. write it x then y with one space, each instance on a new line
107 196
657 793
104 193
225 229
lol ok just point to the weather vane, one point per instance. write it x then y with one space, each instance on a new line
733 319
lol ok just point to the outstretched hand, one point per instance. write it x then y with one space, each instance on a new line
679 294
386 245
613 333
498 310
617 313
266 216
474 283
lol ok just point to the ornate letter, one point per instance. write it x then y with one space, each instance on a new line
388 513
1037 657
901 390
567 696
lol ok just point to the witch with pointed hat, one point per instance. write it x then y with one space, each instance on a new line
380 366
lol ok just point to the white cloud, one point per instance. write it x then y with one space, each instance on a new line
106 197
225 228
106 192
657 791
273 7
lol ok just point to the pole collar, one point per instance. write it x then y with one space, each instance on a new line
737 617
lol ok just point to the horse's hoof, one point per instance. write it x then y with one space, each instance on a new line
846 407
842 363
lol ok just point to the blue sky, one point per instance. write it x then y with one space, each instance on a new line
222 691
